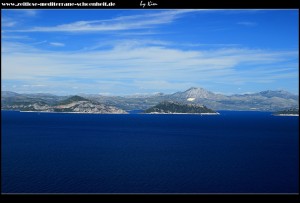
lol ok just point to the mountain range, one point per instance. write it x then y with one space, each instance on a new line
262 101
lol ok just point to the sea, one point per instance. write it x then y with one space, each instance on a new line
234 152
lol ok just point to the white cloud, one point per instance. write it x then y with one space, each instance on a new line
132 22
139 33
134 65
9 37
57 44
8 22
27 12
34 85
30 12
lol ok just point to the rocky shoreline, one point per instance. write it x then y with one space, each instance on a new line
185 113
286 114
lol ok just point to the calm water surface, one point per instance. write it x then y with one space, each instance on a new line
235 152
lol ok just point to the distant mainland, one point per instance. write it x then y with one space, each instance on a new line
192 101
288 112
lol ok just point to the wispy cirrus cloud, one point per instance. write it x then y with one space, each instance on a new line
57 44
141 51
27 12
15 37
8 22
132 22
16 17
126 43
30 12
123 23
140 67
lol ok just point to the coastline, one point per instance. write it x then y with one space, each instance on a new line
67 112
205 114
285 114
186 113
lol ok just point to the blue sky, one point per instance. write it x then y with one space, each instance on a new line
121 52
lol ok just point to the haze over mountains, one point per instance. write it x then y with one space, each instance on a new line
262 101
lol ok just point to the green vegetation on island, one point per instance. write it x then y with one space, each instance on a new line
176 107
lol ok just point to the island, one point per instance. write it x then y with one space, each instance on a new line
171 107
73 104
288 112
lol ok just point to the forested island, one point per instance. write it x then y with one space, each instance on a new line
170 107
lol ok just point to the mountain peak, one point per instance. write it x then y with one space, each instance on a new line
195 92
194 88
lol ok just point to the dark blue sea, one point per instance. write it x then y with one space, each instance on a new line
235 152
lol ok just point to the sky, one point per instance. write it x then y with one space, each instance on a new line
123 52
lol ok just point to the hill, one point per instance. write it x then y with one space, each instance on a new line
73 104
175 107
